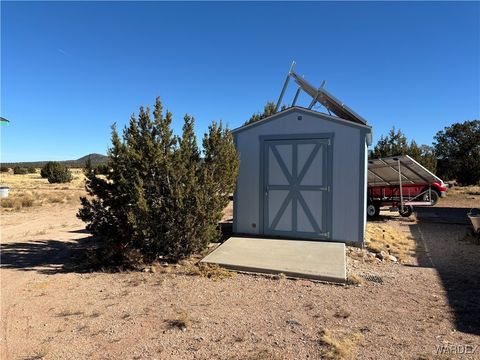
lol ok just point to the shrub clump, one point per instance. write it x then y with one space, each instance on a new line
4 169
56 173
31 170
46 169
160 197
18 170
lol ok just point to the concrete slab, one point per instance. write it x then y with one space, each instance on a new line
296 258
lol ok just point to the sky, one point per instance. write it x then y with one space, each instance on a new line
69 70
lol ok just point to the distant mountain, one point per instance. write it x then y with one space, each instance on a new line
96 159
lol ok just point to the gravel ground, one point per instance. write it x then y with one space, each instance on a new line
53 314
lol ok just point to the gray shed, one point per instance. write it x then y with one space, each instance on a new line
303 176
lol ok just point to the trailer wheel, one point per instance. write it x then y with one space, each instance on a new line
407 211
435 196
373 210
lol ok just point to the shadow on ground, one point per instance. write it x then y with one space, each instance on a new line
441 245
54 256
44 256
226 230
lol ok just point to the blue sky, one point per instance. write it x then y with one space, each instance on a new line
69 70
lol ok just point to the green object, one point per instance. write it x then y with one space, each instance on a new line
56 173
4 121
160 197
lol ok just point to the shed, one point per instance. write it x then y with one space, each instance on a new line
303 175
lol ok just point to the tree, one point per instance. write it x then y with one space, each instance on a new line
268 110
160 197
56 173
424 154
396 143
46 169
18 170
428 158
458 150
100 169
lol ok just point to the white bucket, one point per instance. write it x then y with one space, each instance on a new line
4 191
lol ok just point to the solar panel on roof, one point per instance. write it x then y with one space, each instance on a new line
320 95
328 100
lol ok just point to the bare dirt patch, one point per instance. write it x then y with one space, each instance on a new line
173 312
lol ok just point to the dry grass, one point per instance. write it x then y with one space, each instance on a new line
35 181
338 344
354 279
382 237
31 190
18 199
464 190
462 196
213 272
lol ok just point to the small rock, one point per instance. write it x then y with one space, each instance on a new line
164 264
304 282
292 322
364 329
392 258
382 255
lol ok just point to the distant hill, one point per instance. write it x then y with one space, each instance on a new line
96 159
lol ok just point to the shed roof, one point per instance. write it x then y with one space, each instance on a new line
320 115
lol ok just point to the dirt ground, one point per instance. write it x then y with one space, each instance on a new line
461 196
403 311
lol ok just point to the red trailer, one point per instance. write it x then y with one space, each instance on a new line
401 183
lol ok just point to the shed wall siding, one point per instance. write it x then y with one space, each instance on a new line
348 158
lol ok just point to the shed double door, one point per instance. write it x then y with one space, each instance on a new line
296 188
